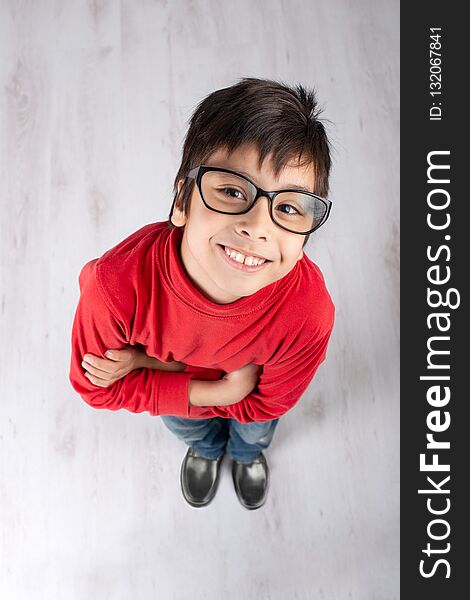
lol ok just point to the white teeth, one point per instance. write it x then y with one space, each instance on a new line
247 260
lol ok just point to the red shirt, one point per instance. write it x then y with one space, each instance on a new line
138 293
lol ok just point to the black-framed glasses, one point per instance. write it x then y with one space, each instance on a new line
227 192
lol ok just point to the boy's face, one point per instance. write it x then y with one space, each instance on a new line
206 232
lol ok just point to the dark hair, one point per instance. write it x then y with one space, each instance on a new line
279 119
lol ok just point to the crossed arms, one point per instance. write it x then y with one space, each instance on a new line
164 388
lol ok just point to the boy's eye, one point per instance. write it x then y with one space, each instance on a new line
293 212
232 192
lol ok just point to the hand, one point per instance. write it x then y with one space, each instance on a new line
241 382
232 388
104 372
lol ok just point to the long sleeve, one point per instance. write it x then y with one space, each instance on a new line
280 387
95 329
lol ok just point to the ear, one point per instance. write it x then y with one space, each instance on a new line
178 218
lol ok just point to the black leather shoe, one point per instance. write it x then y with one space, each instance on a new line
199 478
251 481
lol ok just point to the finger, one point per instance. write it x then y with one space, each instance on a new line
97 381
98 372
102 364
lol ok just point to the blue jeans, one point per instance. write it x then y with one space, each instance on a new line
213 437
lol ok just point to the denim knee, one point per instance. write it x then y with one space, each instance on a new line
256 432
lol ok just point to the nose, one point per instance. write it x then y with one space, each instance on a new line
257 222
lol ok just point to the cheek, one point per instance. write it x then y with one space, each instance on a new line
291 254
200 240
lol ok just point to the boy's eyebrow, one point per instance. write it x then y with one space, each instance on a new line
293 186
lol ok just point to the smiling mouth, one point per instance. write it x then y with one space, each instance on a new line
239 261
244 259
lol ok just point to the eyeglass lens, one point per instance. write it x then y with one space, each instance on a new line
229 193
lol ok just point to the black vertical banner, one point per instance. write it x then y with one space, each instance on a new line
435 263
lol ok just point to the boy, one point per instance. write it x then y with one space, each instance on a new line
216 320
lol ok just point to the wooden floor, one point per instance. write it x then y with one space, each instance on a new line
94 100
